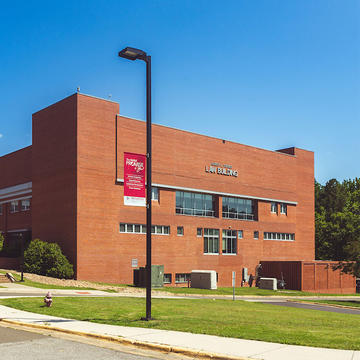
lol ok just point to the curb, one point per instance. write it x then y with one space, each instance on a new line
129 342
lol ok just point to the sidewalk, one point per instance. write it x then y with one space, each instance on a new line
193 345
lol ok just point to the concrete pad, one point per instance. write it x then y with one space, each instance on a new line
209 343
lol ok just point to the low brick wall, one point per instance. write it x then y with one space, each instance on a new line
9 263
312 276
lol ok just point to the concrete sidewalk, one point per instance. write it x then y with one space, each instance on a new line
193 345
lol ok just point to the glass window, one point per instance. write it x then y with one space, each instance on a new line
195 204
229 242
240 234
182 278
235 208
274 207
14 206
180 230
167 278
141 229
256 235
283 208
279 236
199 232
25 205
154 193
211 241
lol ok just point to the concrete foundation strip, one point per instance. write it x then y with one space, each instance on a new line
125 341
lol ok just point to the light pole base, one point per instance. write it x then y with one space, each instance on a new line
147 319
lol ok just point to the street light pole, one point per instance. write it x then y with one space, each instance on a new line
134 54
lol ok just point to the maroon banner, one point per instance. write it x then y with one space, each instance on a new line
134 179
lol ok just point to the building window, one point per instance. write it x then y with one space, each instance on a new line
274 208
167 278
160 229
199 232
256 235
14 206
141 229
132 228
211 241
154 194
25 205
182 278
195 204
240 234
283 208
180 230
235 208
229 242
279 236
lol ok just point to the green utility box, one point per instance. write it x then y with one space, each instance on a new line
157 276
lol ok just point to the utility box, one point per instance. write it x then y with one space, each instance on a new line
203 279
268 283
157 276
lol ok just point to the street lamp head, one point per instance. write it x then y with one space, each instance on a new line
132 54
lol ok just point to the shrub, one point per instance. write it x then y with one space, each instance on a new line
45 258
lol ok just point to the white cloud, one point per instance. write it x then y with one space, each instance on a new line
1 135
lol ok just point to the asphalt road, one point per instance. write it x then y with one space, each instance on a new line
18 344
316 307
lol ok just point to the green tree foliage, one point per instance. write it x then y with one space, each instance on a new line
45 258
1 241
337 223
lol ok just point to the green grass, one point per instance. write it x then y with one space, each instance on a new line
238 319
241 291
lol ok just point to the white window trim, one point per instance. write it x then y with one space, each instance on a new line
204 191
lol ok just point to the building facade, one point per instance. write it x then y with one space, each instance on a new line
217 205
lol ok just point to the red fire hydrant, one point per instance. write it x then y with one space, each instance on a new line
48 299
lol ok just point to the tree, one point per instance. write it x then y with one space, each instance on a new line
45 258
1 241
337 223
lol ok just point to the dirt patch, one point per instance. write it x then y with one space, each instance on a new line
81 284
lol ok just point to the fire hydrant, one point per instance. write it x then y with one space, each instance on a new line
48 299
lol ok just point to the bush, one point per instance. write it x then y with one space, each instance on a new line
45 258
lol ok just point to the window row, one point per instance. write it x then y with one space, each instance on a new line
278 236
196 204
274 208
16 206
179 278
141 229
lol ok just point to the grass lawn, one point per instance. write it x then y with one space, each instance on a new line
238 319
242 291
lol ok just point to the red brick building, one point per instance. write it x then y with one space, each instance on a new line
217 205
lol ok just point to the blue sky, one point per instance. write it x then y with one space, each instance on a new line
266 73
